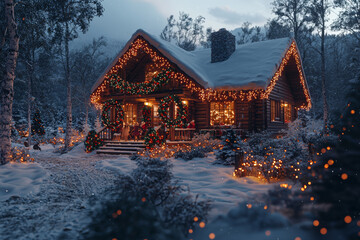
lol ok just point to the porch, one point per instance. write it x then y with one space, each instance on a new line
173 135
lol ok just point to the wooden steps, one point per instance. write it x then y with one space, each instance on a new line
121 147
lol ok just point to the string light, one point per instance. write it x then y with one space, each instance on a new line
141 45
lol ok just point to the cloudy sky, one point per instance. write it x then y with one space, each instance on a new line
123 17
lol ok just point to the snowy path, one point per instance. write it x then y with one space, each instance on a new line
60 206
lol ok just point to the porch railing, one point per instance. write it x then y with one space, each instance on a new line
219 132
184 134
106 133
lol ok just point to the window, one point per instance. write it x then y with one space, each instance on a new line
222 114
156 115
275 111
130 114
287 112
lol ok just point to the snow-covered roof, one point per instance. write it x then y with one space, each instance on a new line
251 66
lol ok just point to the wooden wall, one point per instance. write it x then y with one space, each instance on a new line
202 115
281 91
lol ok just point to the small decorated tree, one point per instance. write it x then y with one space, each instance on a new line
151 138
146 117
231 143
92 141
37 126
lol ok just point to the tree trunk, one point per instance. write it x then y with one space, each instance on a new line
68 82
323 82
7 84
30 75
86 126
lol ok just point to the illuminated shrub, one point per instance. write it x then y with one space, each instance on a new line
92 141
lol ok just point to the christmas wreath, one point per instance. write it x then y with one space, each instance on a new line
146 113
119 114
182 112
144 87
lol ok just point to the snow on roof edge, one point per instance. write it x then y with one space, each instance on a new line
157 45
178 56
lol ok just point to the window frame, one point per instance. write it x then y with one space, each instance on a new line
221 107
275 110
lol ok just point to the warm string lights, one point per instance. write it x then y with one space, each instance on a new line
141 88
93 141
292 51
181 113
222 114
208 94
146 116
119 114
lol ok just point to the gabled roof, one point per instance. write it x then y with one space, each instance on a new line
251 66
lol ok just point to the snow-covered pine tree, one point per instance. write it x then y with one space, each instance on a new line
92 141
231 143
339 183
37 127
151 138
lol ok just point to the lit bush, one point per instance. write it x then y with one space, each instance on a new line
21 155
287 156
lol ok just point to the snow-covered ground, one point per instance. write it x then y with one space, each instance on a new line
50 198
213 182
20 180
60 206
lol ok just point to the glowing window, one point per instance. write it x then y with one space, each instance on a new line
287 112
222 114
130 114
275 110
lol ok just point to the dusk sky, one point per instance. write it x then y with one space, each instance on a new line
123 17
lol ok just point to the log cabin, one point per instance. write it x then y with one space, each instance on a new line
251 87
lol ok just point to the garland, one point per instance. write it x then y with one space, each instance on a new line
144 87
151 138
119 117
93 141
146 116
181 116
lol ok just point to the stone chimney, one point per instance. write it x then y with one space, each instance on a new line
222 45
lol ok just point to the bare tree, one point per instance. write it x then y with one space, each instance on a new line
85 72
294 13
33 37
7 83
319 10
68 17
186 32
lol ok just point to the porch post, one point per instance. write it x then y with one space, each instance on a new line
172 116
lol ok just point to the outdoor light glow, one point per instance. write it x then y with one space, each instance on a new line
203 94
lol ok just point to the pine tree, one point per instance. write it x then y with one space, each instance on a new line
151 138
92 141
231 143
37 126
339 183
